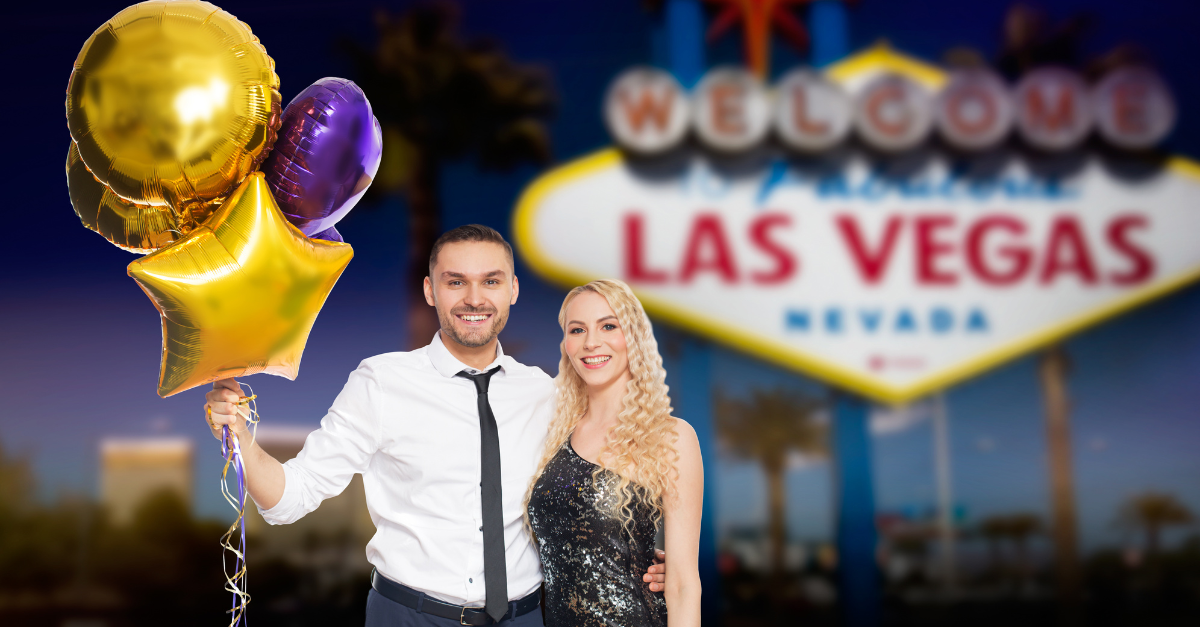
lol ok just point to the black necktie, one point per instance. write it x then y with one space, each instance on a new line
495 575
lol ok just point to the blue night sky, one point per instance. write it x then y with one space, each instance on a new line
79 343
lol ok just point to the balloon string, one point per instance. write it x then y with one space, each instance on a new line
231 451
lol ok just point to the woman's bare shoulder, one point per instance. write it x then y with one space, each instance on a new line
686 441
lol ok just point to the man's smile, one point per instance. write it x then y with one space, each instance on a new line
473 319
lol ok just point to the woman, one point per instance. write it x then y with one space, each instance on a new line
617 467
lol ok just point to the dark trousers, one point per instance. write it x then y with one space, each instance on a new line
384 612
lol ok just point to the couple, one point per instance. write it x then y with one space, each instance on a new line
483 475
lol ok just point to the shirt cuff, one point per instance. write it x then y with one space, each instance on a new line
284 511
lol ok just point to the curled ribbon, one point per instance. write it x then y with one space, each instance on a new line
231 451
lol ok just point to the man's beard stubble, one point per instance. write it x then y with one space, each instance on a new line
478 338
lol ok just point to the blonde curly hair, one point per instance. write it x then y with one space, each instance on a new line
640 449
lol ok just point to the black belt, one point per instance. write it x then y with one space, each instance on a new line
422 602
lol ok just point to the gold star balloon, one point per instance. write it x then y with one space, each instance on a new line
239 294
173 103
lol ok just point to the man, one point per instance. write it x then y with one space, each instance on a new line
446 438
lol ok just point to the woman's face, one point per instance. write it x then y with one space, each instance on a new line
595 341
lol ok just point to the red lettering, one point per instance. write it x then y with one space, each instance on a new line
635 268
1129 107
647 108
1062 115
1141 262
800 115
879 99
1019 257
872 265
727 109
785 262
956 114
708 232
1067 252
929 249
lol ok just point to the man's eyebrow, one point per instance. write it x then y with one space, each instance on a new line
451 274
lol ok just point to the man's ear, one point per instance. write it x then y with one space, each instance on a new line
428 287
516 290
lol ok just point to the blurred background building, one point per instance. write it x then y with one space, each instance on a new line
133 469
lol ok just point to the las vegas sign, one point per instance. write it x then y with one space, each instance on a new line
942 250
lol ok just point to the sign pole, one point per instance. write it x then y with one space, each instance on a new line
858 576
945 492
678 46
856 534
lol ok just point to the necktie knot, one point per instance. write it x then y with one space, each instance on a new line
481 380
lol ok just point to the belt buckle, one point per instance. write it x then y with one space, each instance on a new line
462 616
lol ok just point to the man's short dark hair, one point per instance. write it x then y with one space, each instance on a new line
468 233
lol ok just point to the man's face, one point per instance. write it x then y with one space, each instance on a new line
472 286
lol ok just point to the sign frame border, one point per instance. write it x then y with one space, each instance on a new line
880 57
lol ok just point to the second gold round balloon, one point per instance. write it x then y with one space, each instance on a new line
173 103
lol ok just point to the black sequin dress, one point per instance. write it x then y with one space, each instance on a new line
593 567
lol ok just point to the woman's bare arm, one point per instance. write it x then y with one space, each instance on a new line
682 531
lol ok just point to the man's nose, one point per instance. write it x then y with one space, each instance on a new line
474 296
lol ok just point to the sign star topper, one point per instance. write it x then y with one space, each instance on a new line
758 17
239 294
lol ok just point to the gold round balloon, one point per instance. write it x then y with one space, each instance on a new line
130 226
173 103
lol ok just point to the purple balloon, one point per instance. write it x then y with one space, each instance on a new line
330 234
326 155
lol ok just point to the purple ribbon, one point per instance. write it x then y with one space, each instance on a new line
232 453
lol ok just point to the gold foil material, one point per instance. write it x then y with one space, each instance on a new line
173 103
239 294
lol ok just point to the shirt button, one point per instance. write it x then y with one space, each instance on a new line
481 528
470 581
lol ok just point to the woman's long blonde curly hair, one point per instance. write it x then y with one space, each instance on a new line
640 449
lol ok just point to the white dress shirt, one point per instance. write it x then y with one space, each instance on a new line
411 427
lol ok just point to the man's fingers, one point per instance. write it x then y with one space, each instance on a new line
227 412
221 407
222 395
657 569
660 555
228 384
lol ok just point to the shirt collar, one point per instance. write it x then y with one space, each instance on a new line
448 365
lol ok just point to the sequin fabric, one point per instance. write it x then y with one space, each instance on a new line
593 567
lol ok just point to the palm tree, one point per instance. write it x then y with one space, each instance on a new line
1021 527
1153 511
440 97
994 529
1017 528
769 428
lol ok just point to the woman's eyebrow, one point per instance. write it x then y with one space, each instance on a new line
570 322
